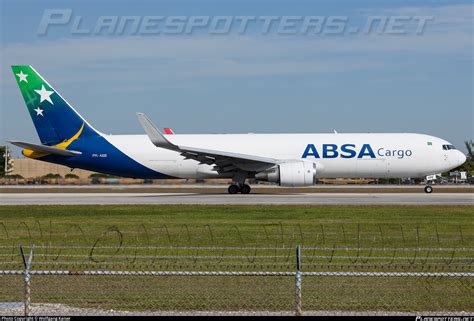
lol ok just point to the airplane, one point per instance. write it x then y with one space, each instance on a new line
292 160
168 131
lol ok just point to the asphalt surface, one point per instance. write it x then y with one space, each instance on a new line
222 189
221 198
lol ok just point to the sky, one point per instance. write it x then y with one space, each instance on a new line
203 82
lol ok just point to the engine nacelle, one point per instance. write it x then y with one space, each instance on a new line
293 174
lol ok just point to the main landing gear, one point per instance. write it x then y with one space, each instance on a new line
428 189
243 188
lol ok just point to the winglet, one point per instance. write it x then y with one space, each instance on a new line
154 133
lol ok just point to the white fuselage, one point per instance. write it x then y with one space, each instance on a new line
335 155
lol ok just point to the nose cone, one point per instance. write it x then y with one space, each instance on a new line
461 158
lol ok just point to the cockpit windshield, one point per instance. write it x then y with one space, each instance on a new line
448 147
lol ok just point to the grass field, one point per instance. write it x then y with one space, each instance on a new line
361 227
246 294
334 238
237 225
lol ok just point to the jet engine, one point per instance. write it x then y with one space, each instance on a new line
292 174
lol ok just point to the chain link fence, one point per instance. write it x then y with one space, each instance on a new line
235 281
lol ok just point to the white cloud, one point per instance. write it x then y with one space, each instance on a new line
165 58
447 18
224 56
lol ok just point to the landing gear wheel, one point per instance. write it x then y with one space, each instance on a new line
428 189
233 189
245 189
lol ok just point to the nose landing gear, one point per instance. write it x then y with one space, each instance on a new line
243 188
428 189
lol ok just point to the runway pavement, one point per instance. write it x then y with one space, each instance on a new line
220 198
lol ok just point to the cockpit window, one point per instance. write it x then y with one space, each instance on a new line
448 147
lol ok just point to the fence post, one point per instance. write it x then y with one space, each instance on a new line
27 279
298 279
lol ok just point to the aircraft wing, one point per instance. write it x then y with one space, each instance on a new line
46 149
223 161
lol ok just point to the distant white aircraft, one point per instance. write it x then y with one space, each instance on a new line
168 131
284 159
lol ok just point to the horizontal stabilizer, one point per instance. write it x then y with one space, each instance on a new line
46 149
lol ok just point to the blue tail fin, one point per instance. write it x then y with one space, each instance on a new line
55 120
